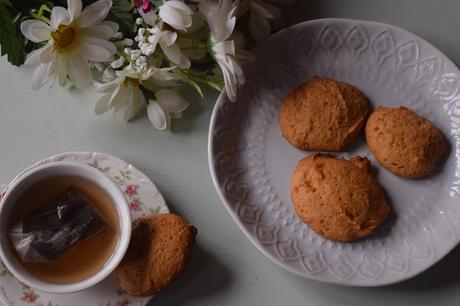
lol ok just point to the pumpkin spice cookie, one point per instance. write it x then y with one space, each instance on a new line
159 251
323 114
403 142
339 199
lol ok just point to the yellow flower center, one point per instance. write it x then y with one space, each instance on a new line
134 82
65 38
201 45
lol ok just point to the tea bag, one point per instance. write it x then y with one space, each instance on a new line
51 230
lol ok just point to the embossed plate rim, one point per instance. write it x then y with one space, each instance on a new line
233 212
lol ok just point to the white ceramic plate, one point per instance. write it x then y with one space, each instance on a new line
251 164
143 198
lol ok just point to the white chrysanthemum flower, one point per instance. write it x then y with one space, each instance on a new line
177 14
221 19
168 104
124 93
74 38
261 12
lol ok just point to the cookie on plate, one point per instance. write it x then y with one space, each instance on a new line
323 114
403 142
159 251
339 199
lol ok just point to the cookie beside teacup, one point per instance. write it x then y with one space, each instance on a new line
159 251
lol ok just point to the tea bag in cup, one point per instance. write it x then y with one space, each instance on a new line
53 229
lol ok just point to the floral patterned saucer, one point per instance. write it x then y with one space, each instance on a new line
143 198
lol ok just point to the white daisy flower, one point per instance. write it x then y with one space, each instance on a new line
168 104
124 93
177 14
221 19
261 12
73 37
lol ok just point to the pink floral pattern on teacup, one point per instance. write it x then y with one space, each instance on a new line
131 183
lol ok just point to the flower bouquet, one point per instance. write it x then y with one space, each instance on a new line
136 53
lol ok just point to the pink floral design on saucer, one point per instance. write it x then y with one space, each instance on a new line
143 198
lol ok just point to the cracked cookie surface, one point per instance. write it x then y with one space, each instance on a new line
323 114
339 199
403 142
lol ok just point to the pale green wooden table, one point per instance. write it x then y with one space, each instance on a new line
226 268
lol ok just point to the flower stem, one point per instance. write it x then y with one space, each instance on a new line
124 55
18 16
40 14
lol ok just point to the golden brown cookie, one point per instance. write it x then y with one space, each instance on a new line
323 114
403 142
159 251
339 199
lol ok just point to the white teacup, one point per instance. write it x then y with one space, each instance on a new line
30 177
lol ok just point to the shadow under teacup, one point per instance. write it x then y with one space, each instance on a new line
98 255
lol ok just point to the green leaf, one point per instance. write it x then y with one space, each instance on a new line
11 40
121 13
